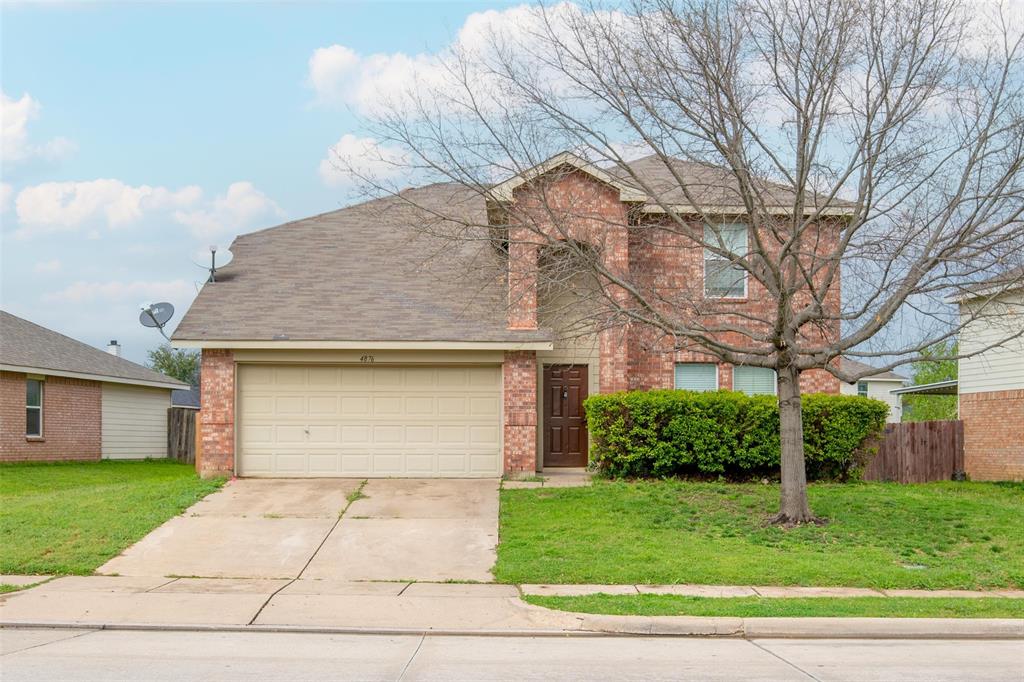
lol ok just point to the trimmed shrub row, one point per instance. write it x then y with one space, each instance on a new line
727 434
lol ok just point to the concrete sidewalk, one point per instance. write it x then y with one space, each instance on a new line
402 607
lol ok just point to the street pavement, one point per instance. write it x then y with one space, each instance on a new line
44 654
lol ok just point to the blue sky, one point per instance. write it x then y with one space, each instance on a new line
134 135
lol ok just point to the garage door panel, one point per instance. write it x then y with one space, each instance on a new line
321 433
386 377
323 464
355 405
290 405
387 405
369 421
324 405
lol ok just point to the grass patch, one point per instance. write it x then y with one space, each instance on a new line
6 588
69 518
930 536
761 607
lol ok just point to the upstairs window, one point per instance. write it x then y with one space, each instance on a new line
862 389
34 408
697 376
722 277
754 380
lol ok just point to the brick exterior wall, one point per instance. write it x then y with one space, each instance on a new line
216 419
993 435
570 205
72 420
520 403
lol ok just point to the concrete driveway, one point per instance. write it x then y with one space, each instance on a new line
398 529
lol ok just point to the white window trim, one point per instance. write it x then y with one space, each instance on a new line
718 384
35 407
704 271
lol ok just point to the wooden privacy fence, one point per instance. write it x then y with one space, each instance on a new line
181 434
918 452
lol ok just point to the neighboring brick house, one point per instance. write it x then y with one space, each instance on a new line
348 344
61 399
991 384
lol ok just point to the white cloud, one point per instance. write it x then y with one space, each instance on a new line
6 192
68 206
47 267
116 291
338 75
93 206
365 157
15 143
242 208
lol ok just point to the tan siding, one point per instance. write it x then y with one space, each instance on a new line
880 390
997 369
134 421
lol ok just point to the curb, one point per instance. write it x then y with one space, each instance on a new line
633 626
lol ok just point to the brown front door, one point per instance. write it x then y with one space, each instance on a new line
565 429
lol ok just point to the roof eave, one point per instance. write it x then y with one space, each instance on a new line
689 209
170 384
257 344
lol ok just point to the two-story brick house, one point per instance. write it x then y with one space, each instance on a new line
365 342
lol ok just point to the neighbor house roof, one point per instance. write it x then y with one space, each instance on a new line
1011 279
28 347
370 273
855 367
185 397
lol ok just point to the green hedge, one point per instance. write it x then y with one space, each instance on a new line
728 434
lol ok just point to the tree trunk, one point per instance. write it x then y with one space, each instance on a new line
793 507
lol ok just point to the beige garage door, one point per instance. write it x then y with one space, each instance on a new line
297 420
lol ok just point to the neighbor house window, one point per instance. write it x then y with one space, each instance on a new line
697 376
862 389
722 277
754 380
34 408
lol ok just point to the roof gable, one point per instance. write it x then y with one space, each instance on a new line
29 346
627 193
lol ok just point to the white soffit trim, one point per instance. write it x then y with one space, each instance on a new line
740 211
503 191
90 377
366 345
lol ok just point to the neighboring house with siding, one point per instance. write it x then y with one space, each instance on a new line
991 383
878 386
354 343
61 399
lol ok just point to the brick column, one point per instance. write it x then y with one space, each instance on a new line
993 435
216 455
522 280
520 398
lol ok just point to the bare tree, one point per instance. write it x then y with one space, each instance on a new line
791 145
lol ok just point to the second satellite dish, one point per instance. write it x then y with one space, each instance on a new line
156 314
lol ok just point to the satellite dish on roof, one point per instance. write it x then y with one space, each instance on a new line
156 315
218 259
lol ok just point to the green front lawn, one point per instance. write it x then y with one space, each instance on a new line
935 535
798 607
70 518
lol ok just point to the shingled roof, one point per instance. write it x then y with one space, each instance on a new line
28 346
371 273
361 274
854 366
